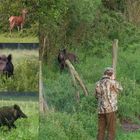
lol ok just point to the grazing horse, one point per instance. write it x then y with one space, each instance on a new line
63 55
18 21
6 65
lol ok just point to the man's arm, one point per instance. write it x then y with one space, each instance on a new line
97 90
116 87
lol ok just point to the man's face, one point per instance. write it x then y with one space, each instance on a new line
113 77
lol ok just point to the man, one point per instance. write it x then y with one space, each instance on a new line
107 89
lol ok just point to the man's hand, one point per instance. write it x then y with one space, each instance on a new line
113 77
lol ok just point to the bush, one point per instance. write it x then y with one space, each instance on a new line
26 72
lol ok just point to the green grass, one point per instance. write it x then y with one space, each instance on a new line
77 126
25 71
16 38
27 129
128 136
70 120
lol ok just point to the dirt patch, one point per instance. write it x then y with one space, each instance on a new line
129 126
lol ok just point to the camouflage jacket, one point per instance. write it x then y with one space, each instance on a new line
106 92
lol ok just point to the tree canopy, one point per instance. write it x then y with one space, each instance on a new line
88 23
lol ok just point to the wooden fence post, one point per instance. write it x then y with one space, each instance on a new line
114 55
43 107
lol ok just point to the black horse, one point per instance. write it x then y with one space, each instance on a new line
6 65
63 55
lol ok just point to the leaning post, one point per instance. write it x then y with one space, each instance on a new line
76 76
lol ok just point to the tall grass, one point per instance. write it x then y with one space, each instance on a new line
17 38
25 71
61 96
27 129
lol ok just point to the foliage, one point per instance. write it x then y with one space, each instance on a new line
132 11
61 93
63 21
61 96
76 26
13 7
67 127
27 129
114 4
129 8
18 38
87 28
25 71
79 126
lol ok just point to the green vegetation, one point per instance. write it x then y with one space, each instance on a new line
77 126
25 71
72 120
5 38
27 129
10 8
88 29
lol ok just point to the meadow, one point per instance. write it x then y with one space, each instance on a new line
87 28
25 71
29 33
18 38
27 129
68 119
